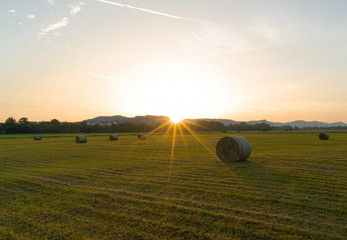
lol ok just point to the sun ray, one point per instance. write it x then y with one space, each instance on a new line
179 126
162 138
132 144
209 150
158 128
201 142
173 127
172 149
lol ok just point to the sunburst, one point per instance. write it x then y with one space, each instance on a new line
177 125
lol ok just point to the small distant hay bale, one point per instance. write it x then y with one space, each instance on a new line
37 137
233 149
141 136
113 137
81 139
323 136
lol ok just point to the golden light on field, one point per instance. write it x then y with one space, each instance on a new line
175 127
178 91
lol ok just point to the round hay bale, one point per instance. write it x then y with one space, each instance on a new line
37 137
141 136
323 136
113 137
81 139
233 149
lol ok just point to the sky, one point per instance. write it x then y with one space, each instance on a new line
71 60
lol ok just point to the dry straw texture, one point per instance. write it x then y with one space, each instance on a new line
81 139
233 149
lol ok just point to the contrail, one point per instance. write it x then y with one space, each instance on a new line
151 11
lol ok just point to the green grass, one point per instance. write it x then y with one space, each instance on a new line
293 186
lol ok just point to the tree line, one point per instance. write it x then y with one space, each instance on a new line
23 125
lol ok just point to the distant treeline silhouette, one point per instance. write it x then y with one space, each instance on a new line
11 125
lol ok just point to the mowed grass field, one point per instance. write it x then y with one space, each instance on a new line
293 186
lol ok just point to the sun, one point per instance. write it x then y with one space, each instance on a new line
178 91
176 118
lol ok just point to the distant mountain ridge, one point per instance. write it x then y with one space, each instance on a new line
151 119
300 123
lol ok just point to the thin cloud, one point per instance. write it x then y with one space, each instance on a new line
50 108
31 16
74 9
114 79
12 12
53 26
221 39
103 76
51 2
151 11
47 79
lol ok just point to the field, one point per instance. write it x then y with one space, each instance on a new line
293 186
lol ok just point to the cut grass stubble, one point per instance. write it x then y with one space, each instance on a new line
292 186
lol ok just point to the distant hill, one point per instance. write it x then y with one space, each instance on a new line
108 119
148 119
301 124
298 123
226 122
152 120
337 124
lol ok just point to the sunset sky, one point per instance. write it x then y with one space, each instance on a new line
280 60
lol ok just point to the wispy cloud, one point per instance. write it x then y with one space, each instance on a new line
223 39
53 26
12 12
151 11
47 79
31 16
74 9
103 76
119 82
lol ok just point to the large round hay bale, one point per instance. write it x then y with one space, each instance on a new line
81 139
113 137
233 149
141 136
323 136
37 137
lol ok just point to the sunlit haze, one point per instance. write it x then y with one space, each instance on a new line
242 60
